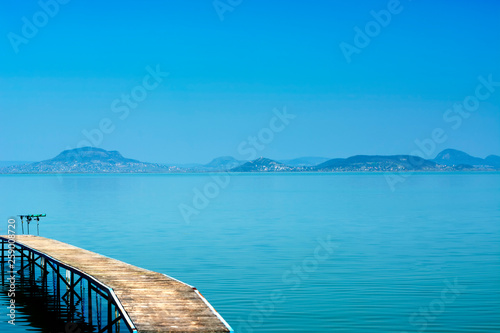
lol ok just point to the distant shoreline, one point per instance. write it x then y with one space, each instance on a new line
246 172
90 160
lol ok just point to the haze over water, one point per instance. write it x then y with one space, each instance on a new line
292 252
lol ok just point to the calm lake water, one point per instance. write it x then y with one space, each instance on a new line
289 252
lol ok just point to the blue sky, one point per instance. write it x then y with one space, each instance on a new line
225 77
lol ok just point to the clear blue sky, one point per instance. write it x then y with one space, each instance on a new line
226 77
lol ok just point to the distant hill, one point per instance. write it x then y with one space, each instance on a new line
87 160
456 157
453 157
305 161
377 163
223 163
493 160
262 165
90 155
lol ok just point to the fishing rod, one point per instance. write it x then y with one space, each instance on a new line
30 218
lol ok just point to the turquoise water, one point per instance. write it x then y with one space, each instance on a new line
291 252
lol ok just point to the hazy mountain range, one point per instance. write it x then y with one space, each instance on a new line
96 160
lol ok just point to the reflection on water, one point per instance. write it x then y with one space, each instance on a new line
39 306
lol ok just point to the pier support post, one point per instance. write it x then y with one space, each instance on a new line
90 302
110 315
58 288
31 265
3 260
43 263
72 294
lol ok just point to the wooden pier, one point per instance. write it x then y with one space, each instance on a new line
147 301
